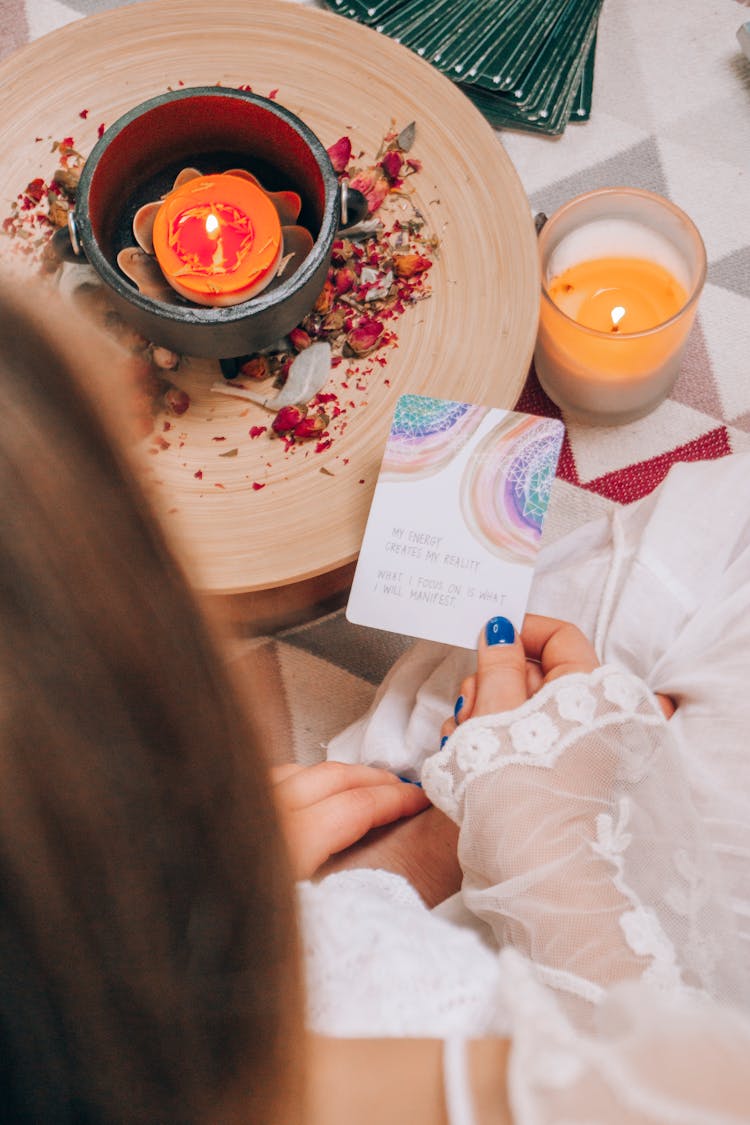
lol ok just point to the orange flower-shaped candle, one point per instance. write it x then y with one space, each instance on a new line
218 239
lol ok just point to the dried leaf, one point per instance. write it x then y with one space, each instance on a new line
229 453
405 139
308 373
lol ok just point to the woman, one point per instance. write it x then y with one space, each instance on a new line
151 966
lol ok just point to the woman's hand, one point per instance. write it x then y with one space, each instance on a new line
327 807
512 668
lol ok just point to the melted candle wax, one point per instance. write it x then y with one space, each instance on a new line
618 294
218 239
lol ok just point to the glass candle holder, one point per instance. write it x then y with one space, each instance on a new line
622 271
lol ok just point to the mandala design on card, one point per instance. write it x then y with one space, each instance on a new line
506 485
426 434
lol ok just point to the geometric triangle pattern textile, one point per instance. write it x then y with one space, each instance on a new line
670 114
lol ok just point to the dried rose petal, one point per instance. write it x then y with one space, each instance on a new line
257 485
340 154
255 368
35 189
288 418
364 338
408 265
299 339
343 251
391 164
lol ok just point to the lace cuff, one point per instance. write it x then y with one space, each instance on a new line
537 732
579 842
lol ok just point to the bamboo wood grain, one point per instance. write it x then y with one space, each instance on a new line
472 340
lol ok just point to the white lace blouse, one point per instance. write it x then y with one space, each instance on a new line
592 927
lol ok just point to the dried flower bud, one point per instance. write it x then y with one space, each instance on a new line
391 164
68 179
177 400
255 368
374 186
299 339
340 154
335 321
365 336
345 280
288 418
165 359
58 212
408 265
310 427
325 299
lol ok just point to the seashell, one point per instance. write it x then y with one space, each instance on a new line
146 273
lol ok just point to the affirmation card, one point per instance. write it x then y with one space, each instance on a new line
456 520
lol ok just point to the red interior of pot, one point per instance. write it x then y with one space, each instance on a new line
177 131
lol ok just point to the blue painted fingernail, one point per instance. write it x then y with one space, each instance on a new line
409 780
499 631
459 705
443 741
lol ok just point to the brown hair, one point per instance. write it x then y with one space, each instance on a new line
148 951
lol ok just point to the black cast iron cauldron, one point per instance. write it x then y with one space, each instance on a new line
212 129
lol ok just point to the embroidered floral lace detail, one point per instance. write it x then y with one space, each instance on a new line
478 752
622 689
576 702
540 729
534 735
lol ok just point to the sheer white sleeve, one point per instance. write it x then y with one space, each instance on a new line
579 843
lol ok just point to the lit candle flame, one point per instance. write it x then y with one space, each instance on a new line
212 227
618 312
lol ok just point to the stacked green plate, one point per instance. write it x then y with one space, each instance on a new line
526 64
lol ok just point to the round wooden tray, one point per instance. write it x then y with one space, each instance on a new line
471 340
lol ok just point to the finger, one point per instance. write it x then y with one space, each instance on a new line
534 677
667 704
559 646
464 705
446 731
310 784
338 821
501 669
281 773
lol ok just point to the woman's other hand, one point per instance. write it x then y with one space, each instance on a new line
327 807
